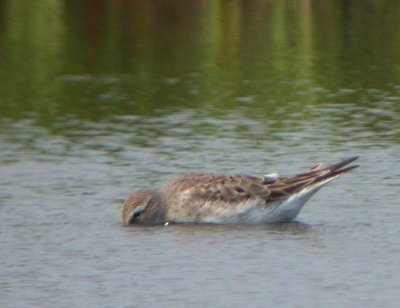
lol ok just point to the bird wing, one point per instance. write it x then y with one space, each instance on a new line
240 188
233 188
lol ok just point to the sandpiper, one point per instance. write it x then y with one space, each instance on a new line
220 199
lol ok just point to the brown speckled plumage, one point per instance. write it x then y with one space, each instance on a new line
210 198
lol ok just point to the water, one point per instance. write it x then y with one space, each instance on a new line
99 105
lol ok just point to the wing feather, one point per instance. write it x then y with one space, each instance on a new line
242 188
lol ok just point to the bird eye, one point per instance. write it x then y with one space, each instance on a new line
135 216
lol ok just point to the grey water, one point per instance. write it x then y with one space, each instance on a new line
97 101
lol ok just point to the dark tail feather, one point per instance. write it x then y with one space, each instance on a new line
286 186
337 169
342 163
323 171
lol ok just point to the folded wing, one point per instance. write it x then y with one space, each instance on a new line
241 188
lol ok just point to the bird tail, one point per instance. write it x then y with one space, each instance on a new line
316 176
332 171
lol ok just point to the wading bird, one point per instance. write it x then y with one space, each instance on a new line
220 199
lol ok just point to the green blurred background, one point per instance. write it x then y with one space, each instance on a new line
96 59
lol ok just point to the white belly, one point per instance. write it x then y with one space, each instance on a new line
255 212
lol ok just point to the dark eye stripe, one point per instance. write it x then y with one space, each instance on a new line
135 216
